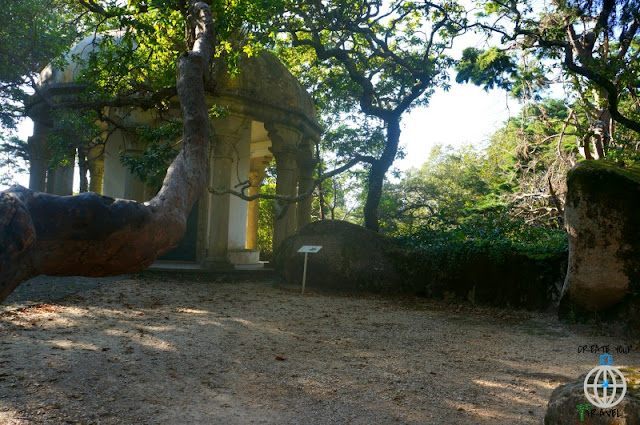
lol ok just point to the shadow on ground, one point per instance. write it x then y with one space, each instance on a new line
166 351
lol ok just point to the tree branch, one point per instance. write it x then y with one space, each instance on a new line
595 77
292 199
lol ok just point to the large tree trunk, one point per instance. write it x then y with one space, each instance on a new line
93 235
378 170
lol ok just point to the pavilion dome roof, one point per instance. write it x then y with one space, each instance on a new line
265 79
72 67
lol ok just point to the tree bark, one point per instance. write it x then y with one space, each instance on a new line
83 169
93 235
377 172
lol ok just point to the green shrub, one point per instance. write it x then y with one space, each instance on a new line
490 258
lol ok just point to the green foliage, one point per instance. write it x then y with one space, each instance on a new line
360 54
73 129
341 197
14 155
529 157
490 69
448 188
162 146
495 230
591 47
32 33
266 218
354 134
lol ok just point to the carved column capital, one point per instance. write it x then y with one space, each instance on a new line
283 137
228 132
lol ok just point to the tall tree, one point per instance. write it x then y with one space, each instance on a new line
595 44
382 58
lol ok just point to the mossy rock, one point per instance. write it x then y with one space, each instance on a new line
352 259
602 214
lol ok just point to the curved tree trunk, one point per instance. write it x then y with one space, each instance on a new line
93 235
378 170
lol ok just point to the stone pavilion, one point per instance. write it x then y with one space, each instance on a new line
270 116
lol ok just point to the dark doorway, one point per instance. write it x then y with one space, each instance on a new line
186 249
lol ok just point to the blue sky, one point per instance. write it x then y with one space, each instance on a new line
465 114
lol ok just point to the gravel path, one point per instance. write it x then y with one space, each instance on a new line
184 351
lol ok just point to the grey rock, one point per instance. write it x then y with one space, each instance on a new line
602 214
352 258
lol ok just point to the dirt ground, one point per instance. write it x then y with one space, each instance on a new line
184 351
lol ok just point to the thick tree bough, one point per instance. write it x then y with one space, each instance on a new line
93 235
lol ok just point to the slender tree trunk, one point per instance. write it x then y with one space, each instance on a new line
377 172
93 235
334 201
83 169
321 200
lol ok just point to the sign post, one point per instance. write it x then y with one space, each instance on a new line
307 249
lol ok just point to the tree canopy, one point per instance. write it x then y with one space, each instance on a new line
29 39
589 46
376 58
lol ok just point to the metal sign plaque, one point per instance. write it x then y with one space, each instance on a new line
311 249
307 249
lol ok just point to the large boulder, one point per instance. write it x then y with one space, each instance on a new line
602 215
564 401
352 258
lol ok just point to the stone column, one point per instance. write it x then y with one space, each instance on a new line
202 240
240 169
134 188
306 166
51 180
39 157
113 180
228 131
62 183
284 140
255 178
219 227
95 163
